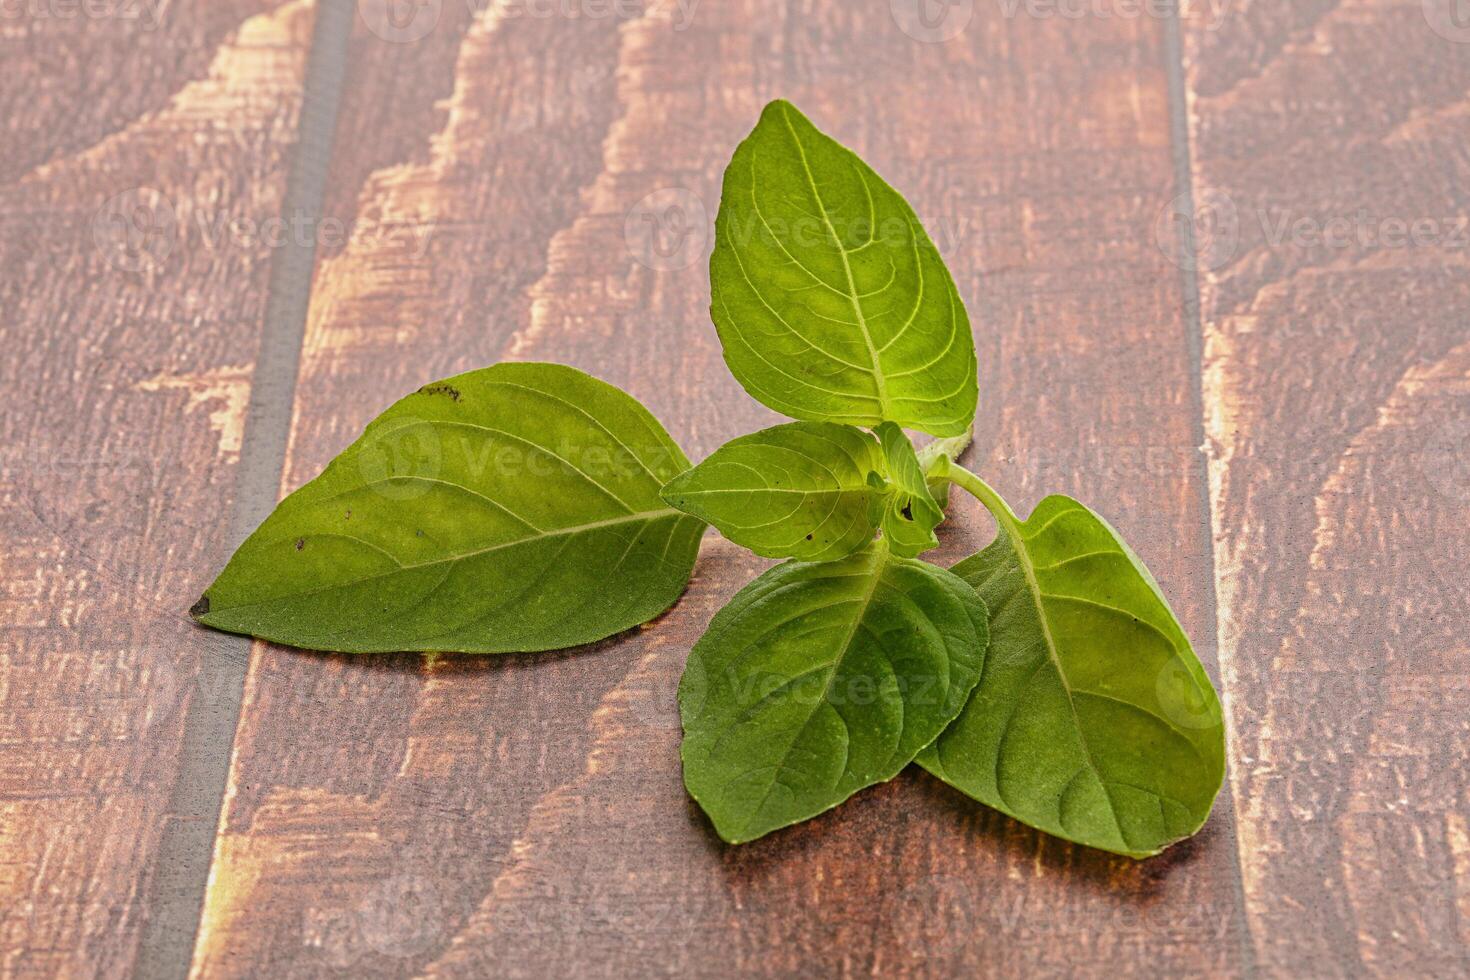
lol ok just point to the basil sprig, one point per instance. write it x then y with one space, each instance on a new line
531 507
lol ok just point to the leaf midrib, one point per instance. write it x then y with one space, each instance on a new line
875 575
1018 541
637 516
852 291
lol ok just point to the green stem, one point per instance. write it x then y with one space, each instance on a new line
935 457
982 492
950 448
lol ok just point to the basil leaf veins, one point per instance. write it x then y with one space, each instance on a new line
800 490
818 680
831 302
531 507
1093 721
511 508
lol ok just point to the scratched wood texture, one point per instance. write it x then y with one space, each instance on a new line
1337 395
507 185
524 816
74 78
128 337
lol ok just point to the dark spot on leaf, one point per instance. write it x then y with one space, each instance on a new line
808 537
300 543
347 516
419 532
200 608
908 511
440 389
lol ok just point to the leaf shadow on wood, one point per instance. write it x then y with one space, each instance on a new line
892 810
460 664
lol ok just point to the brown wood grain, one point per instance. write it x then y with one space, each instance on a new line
524 816
1338 405
126 367
76 74
494 180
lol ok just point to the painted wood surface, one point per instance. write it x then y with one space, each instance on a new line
525 816
137 167
1216 269
1331 182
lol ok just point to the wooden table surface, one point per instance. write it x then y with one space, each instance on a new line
1217 270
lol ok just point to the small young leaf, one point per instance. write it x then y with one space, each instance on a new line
934 461
831 302
820 679
799 490
1093 720
507 509
910 514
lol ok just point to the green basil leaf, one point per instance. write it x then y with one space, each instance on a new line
820 679
799 490
910 513
831 301
507 509
1093 721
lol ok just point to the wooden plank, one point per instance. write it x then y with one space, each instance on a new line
81 63
1327 138
524 815
131 321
